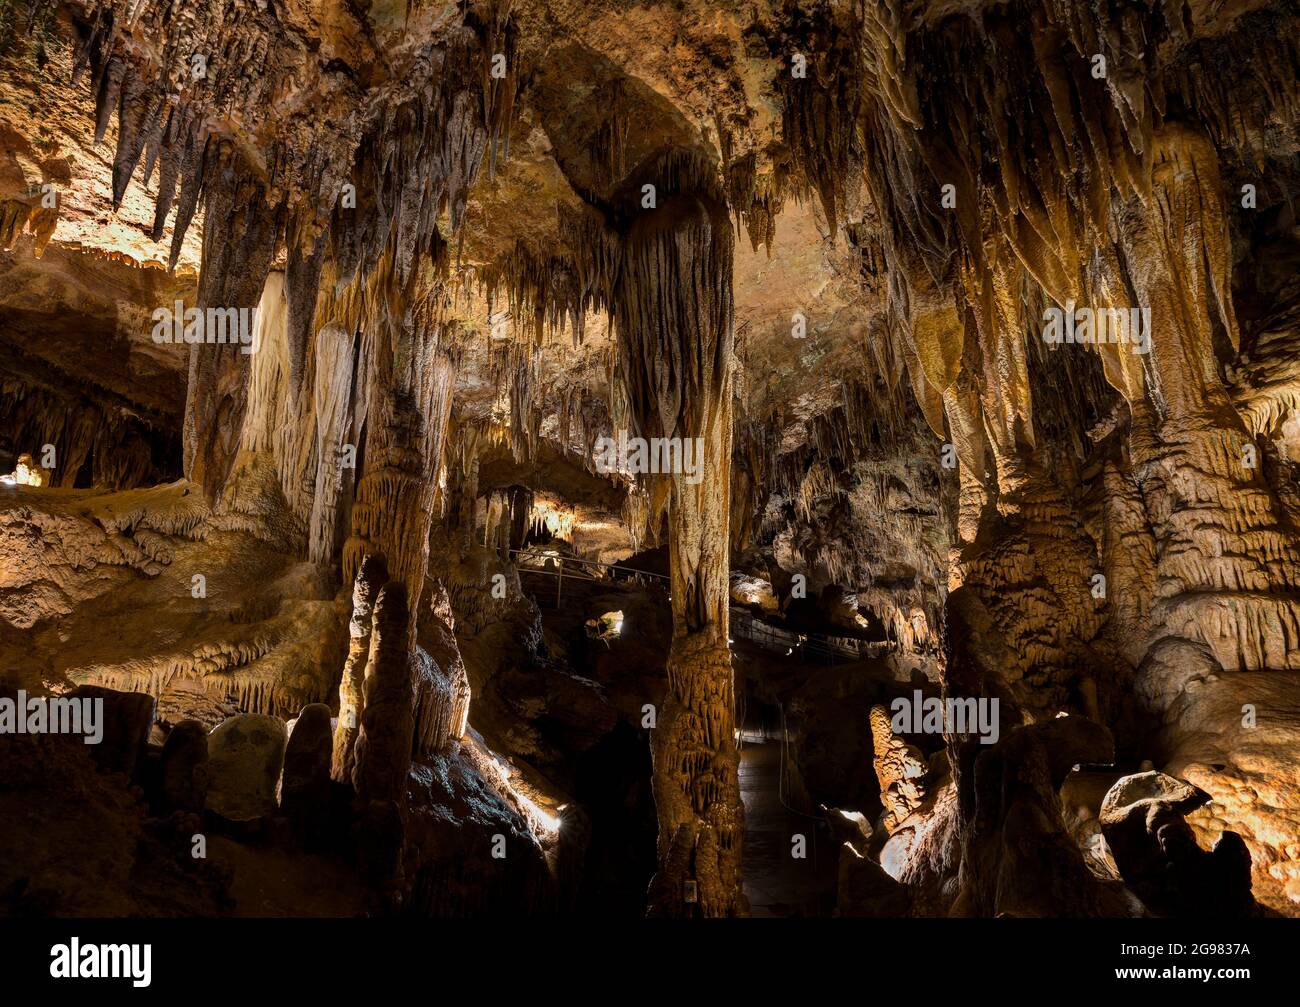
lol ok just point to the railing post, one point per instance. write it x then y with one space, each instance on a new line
559 581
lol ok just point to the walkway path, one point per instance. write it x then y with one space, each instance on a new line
776 883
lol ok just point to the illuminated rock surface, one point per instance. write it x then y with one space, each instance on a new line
317 322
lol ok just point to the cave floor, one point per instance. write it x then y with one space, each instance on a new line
777 883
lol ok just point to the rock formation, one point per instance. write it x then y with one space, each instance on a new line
359 362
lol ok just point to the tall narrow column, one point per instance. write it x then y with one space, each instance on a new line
239 237
411 377
674 319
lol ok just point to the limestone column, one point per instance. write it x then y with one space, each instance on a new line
674 319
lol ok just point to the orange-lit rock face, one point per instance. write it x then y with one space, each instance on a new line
28 473
984 318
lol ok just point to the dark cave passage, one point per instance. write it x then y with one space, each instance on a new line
790 860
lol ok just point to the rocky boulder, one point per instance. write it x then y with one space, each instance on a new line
127 719
245 755
184 767
305 784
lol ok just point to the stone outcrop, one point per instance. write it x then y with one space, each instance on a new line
125 721
1143 820
305 780
900 768
1017 857
184 767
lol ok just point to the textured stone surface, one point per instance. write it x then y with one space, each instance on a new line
126 721
184 767
245 756
1142 818
305 782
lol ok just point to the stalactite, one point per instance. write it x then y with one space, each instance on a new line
1105 189
334 366
123 450
190 170
496 30
264 667
756 200
820 128
26 212
525 410
556 287
1231 537
238 246
137 118
409 158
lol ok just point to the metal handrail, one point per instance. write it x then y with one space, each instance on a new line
562 561
741 621
638 576
774 638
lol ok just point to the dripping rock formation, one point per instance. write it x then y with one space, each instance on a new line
535 457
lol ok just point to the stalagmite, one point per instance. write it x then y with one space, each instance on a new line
383 744
305 782
899 767
371 576
442 691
